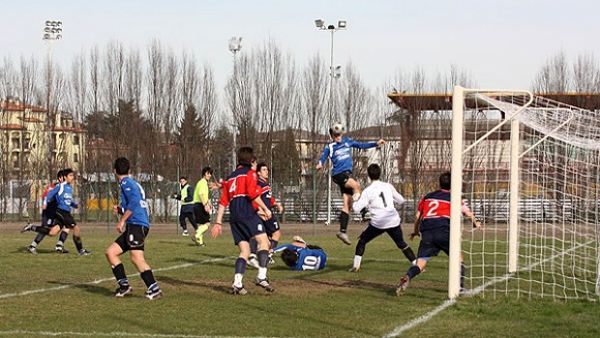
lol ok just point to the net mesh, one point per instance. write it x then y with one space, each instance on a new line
558 208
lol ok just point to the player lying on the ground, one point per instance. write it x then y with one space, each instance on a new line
379 198
63 195
271 225
239 190
133 227
186 211
433 222
300 256
340 153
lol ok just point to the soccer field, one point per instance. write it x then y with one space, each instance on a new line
52 294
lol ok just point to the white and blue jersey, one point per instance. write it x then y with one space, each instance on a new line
133 199
308 259
63 195
341 154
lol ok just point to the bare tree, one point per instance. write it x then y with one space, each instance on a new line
554 76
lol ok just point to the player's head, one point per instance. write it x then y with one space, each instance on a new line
183 180
68 175
374 171
289 257
263 170
60 177
336 131
121 166
245 155
445 181
207 173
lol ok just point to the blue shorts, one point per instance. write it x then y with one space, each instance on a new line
271 225
244 230
434 241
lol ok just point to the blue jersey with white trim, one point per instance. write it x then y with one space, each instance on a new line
341 154
63 194
308 259
133 198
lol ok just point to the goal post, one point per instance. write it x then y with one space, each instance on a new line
528 168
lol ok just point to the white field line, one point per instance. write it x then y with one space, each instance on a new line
109 334
98 281
446 304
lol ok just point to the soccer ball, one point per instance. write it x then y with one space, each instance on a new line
337 129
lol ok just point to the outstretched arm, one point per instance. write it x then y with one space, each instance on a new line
467 212
323 158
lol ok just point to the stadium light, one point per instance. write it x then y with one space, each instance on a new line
334 73
52 32
235 45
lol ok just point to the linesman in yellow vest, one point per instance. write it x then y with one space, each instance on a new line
186 196
202 205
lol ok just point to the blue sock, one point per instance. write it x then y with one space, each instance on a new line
240 265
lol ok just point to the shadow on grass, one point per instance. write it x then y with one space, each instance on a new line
203 284
91 288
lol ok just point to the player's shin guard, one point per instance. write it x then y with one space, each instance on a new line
273 244
240 269
413 272
62 238
344 218
38 238
78 243
360 247
148 278
263 260
119 273
253 245
409 254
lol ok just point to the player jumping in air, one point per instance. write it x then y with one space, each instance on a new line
239 190
379 198
340 153
433 222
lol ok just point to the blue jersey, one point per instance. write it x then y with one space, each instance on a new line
63 195
308 259
133 198
341 154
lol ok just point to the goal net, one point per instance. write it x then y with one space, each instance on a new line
528 167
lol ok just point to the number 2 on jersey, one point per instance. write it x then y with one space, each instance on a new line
433 206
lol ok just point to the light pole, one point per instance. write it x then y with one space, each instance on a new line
52 32
235 45
334 73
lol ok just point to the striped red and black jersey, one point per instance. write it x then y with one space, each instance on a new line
238 191
266 194
435 210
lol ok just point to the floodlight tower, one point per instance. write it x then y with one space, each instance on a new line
52 32
235 45
334 73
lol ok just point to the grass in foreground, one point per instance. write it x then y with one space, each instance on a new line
328 303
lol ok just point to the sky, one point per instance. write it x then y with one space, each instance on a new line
501 44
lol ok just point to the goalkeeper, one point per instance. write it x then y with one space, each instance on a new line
433 222
300 256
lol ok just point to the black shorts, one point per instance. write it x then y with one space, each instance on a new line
271 225
200 214
65 219
47 220
341 179
434 241
244 230
395 234
133 238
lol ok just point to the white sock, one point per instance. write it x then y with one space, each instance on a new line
237 280
262 273
357 260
